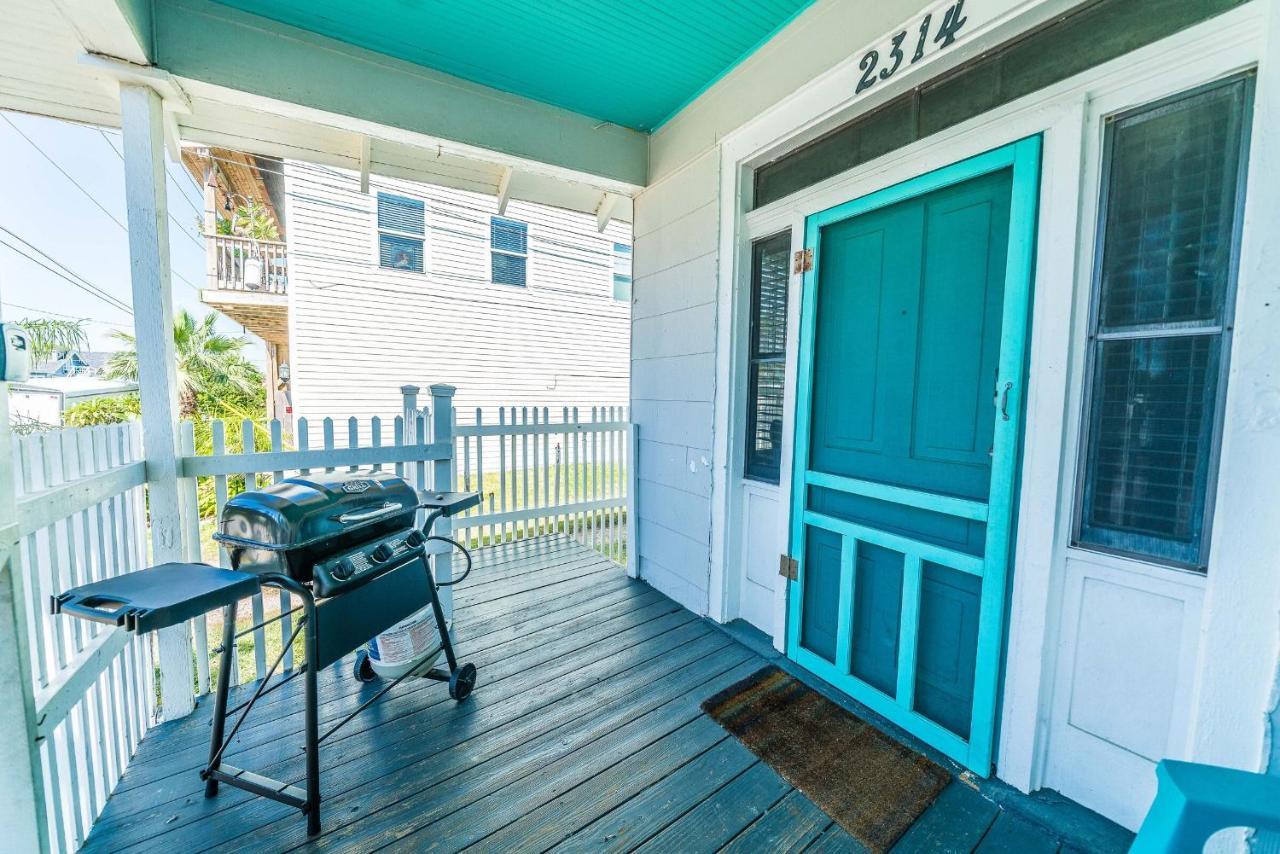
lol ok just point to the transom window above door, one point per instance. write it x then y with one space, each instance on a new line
1168 245
401 232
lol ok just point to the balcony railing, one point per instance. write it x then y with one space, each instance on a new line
245 264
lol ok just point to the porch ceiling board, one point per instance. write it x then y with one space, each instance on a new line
632 64
289 67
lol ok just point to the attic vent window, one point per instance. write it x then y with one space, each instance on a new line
401 232
509 251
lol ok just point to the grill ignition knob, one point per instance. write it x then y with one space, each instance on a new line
413 539
341 571
382 553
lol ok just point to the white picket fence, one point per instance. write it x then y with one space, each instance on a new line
539 477
81 518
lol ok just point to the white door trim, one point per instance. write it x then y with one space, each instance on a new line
1230 42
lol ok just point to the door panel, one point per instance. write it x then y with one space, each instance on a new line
912 327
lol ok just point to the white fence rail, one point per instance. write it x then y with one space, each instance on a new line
406 445
539 476
81 518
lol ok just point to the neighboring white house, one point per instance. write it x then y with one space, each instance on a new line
529 306
1118 572
44 399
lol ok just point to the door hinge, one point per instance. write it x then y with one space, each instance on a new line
803 261
788 567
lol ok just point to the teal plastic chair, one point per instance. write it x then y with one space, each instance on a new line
1194 801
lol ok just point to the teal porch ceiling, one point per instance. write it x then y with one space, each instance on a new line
634 63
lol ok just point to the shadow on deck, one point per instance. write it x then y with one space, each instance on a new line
584 734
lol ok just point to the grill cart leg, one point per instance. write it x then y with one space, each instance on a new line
312 723
220 703
461 679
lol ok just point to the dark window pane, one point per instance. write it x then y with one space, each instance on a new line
508 269
398 213
508 234
1167 263
770 273
1170 211
1153 412
400 253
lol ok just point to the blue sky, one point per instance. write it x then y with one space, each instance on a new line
45 208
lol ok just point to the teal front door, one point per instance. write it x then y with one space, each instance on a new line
911 379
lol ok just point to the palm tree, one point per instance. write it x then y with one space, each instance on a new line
49 337
207 359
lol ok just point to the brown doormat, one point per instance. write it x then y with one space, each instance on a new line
871 785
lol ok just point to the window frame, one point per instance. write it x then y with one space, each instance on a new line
752 358
378 231
1095 338
629 275
493 250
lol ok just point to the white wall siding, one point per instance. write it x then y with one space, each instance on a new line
360 331
673 378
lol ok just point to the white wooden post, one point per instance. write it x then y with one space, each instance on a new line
633 490
23 826
442 481
409 409
142 123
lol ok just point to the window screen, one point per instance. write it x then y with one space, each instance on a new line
401 226
1173 185
767 356
622 272
509 250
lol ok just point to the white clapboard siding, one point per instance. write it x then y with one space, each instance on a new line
358 331
81 518
673 377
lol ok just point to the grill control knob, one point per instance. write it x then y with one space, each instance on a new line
341 571
413 539
382 553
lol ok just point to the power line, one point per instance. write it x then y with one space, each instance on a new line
90 196
69 275
64 316
181 227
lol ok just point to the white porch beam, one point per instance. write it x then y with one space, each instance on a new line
366 159
206 41
504 189
604 212
22 814
121 28
142 123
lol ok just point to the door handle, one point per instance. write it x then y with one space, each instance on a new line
1001 399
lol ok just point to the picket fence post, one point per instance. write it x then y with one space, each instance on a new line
442 481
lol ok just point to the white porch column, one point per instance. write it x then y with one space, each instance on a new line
142 119
22 817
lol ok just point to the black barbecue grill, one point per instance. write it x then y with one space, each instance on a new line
347 546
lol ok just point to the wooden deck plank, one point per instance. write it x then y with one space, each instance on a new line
836 840
517 683
646 814
956 821
473 624
1012 834
721 817
792 823
422 765
585 734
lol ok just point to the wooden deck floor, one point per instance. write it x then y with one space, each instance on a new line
584 734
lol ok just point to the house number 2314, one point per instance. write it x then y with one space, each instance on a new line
872 68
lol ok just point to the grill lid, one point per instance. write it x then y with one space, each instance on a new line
306 510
